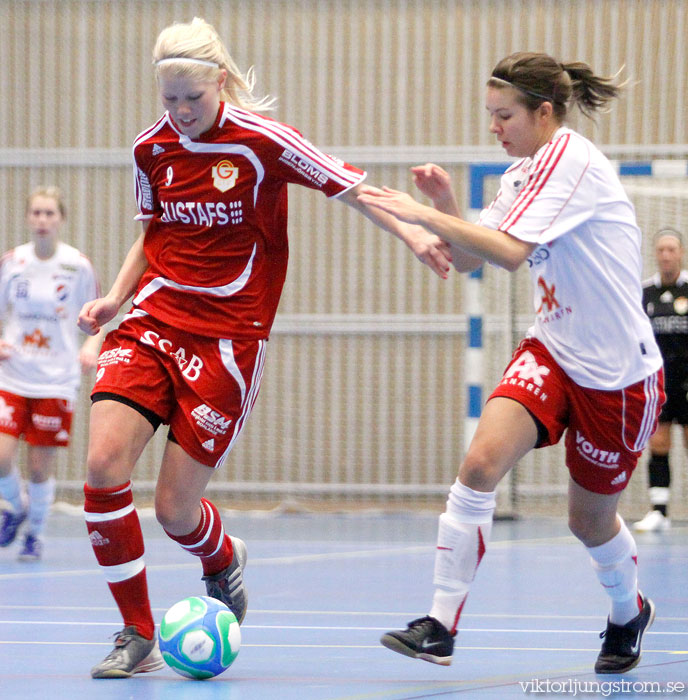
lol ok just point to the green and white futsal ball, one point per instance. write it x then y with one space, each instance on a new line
199 637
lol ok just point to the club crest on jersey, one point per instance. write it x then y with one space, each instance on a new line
681 305
22 289
225 175
62 292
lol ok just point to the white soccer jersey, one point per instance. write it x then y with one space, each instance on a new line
586 268
40 301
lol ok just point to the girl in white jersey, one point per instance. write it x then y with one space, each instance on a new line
43 285
211 181
589 364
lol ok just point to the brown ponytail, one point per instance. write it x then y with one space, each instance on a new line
541 78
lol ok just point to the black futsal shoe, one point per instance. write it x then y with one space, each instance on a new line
425 639
621 647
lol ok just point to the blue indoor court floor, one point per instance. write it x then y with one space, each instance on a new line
323 588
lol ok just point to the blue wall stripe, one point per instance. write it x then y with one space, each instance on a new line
475 401
475 332
641 168
477 172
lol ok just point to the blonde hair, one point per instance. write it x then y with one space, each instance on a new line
50 191
198 40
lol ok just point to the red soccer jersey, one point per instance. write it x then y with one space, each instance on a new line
217 239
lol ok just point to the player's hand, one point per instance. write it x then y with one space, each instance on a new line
88 359
398 204
431 250
6 350
95 314
436 183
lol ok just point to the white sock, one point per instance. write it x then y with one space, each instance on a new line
615 563
11 490
659 495
41 498
464 531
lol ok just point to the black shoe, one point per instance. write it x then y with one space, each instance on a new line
425 638
621 647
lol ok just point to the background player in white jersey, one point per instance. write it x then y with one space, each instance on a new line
589 365
43 285
665 299
211 181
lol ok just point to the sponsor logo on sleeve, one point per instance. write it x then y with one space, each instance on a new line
304 167
146 191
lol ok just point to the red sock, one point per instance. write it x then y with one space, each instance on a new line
208 541
117 541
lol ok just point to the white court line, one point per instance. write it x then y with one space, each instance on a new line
357 646
343 613
289 560
340 628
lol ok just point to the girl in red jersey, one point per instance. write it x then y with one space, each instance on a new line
43 285
211 180
596 375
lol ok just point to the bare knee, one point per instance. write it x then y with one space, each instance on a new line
117 436
175 515
479 470
590 530
104 468
165 511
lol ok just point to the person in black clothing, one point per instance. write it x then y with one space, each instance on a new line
665 298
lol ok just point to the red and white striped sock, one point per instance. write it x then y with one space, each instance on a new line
117 541
208 541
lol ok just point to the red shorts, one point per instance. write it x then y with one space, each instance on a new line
204 388
42 422
607 430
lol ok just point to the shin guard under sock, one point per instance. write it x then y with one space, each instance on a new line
616 564
464 531
117 541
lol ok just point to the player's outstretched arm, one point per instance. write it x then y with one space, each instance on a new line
488 244
435 182
95 314
427 247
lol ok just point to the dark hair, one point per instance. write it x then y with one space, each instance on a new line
668 231
541 78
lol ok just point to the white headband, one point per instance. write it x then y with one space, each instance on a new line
180 59
522 89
